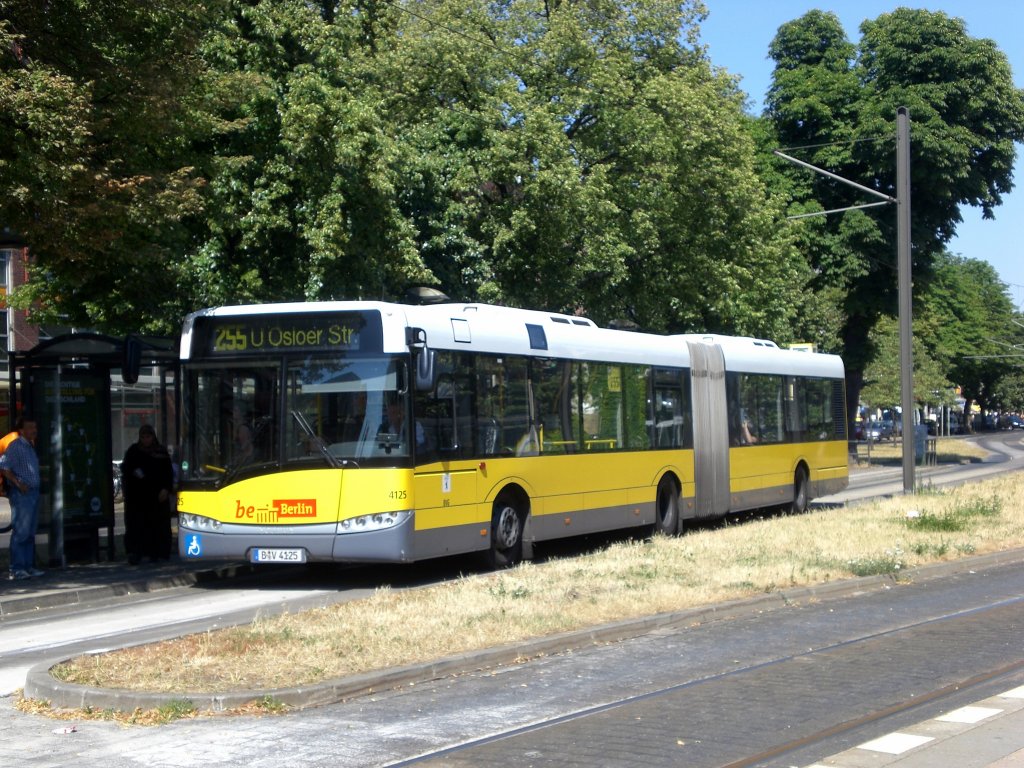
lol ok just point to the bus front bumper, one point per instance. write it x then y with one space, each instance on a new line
318 543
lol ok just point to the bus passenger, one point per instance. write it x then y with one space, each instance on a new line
394 424
352 427
20 467
747 437
245 451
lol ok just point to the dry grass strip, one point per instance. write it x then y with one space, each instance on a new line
625 580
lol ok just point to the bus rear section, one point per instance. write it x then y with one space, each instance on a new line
771 425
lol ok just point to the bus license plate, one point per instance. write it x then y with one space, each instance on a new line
278 555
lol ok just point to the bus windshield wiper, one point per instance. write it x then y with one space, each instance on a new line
316 440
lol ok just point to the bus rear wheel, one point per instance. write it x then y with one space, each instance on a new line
800 492
667 508
507 521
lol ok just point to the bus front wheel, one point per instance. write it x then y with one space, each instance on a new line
507 521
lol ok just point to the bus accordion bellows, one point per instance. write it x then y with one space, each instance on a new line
377 432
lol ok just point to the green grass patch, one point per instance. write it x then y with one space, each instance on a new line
270 704
959 517
176 709
887 563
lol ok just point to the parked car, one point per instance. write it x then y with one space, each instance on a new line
866 430
956 424
1012 421
887 429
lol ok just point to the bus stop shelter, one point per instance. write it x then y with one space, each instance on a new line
65 384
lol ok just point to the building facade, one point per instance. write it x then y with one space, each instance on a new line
16 333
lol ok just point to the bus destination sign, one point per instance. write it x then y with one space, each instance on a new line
310 332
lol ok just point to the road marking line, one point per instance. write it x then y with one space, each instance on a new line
896 743
969 715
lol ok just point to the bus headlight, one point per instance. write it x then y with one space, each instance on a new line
198 522
378 521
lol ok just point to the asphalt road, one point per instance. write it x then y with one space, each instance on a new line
1005 454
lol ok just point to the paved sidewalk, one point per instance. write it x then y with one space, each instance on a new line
987 734
92 582
88 582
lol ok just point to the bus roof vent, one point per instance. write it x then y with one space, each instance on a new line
572 321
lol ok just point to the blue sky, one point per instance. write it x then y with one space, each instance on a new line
737 33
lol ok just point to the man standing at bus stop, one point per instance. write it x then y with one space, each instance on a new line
20 467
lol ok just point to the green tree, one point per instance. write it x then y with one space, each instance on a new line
882 376
574 156
1009 391
577 156
94 167
634 173
305 156
839 101
970 320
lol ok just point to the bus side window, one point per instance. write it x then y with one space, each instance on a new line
436 412
512 411
770 411
557 403
669 410
447 413
796 410
465 417
502 416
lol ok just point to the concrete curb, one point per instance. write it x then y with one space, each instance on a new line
40 684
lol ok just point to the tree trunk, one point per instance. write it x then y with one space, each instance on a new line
854 384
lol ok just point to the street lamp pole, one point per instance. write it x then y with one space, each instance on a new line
905 293
902 201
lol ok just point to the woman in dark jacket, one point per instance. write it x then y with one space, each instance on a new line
147 479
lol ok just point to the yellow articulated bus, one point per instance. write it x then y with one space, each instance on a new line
376 432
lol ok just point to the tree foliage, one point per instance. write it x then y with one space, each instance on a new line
303 156
838 101
969 320
966 333
1008 394
577 156
94 167
882 375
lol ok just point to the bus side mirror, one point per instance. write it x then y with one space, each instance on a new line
426 370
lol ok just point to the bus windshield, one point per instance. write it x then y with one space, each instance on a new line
301 411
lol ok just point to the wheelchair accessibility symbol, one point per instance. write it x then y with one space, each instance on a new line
195 547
